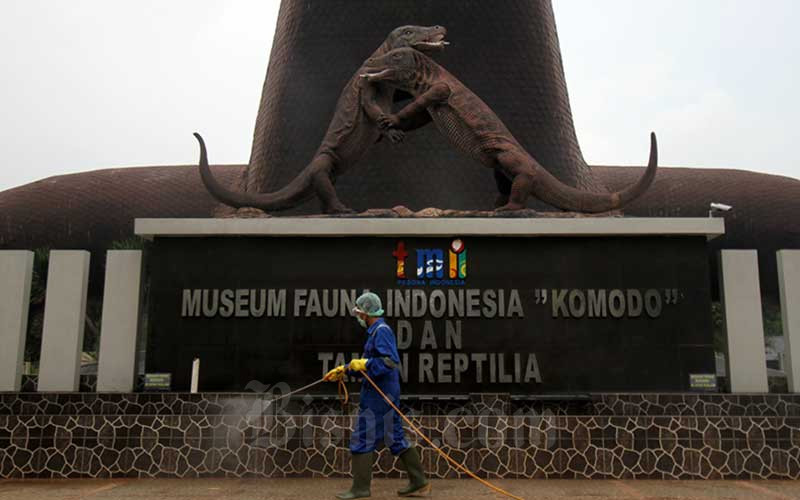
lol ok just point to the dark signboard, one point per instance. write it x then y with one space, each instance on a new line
475 314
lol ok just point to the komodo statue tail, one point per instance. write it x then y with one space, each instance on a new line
298 189
553 192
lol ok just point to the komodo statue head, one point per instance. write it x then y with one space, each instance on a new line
398 68
426 39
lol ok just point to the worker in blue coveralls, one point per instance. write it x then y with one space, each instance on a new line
377 421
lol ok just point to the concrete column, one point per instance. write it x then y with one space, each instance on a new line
64 320
120 323
741 298
16 269
789 281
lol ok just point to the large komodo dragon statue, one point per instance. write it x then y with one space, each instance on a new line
472 127
352 131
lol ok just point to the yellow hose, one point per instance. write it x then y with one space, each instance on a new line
439 450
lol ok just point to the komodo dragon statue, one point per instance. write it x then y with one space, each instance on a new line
352 131
472 127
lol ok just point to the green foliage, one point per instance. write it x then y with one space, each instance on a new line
773 323
133 243
41 261
33 340
91 330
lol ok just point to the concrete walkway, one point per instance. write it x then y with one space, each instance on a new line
323 489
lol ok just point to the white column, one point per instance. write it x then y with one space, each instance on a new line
120 322
64 317
789 281
16 270
195 375
741 299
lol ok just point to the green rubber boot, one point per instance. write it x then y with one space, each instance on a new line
362 476
417 484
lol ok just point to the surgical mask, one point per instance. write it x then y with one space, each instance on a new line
361 321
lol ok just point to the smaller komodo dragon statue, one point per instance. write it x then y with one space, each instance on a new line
352 131
472 127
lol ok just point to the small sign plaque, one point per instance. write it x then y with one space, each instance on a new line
703 382
158 382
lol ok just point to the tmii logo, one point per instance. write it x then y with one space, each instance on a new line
431 261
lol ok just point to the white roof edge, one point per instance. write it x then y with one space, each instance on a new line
430 227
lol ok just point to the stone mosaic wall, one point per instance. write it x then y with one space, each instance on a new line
176 435
761 405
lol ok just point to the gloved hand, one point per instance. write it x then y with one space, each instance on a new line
358 365
334 375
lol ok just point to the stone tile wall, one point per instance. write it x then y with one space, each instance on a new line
760 405
229 435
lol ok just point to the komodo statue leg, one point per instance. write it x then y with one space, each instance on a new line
519 168
414 112
415 122
413 118
322 168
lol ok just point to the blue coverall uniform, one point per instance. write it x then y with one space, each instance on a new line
376 419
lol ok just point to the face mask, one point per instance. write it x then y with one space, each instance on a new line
361 321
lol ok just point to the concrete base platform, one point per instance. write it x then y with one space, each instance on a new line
312 489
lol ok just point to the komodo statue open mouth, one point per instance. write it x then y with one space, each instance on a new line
353 129
472 127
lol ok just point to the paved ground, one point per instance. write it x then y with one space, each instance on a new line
280 489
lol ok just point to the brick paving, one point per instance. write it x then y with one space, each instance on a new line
311 489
